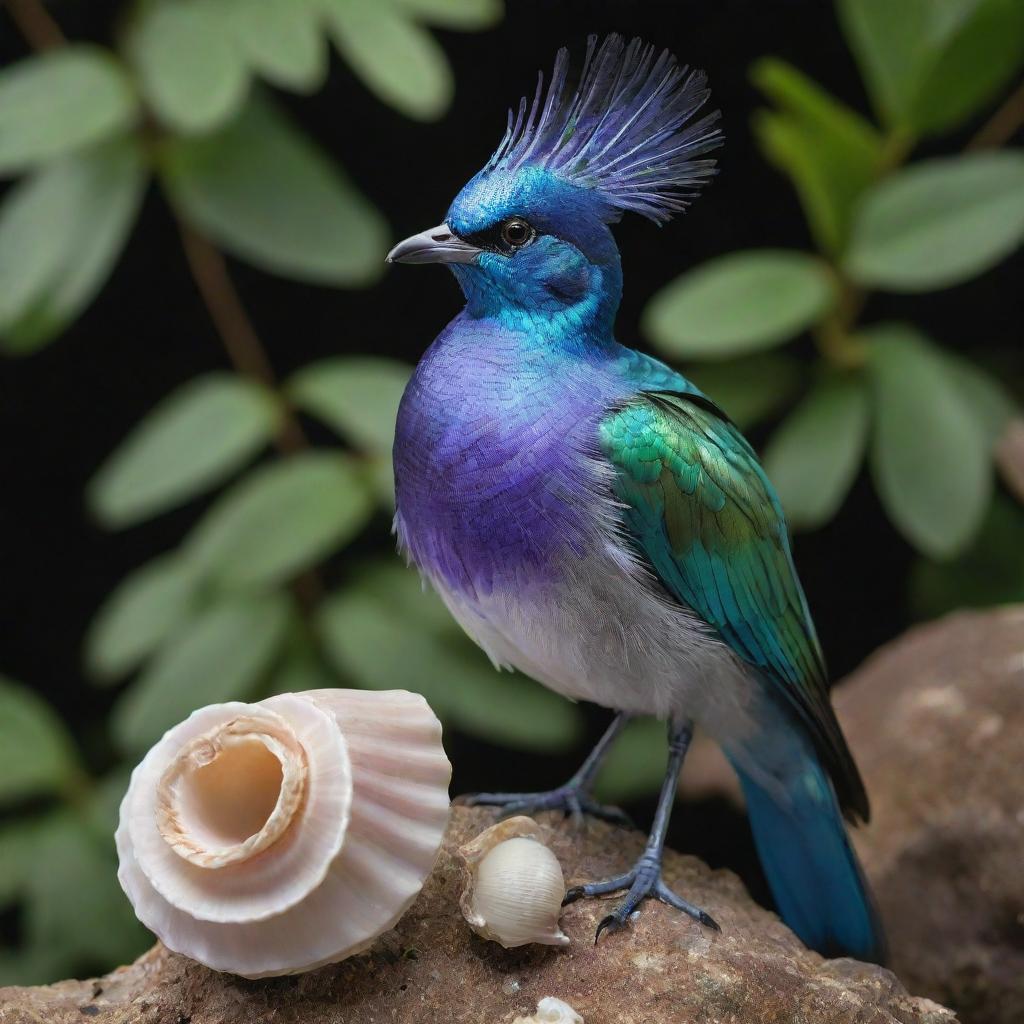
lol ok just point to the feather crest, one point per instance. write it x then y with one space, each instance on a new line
624 132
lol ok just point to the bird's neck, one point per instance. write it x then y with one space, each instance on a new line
587 319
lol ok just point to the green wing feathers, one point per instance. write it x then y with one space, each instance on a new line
706 520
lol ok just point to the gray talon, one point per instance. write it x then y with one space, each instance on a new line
568 799
643 882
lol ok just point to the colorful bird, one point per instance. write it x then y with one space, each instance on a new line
593 519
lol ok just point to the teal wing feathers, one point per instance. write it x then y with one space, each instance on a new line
702 514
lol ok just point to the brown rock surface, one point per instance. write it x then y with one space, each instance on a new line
431 968
936 722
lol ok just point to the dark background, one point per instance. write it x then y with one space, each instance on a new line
63 410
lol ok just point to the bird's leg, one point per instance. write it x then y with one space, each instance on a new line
573 798
643 880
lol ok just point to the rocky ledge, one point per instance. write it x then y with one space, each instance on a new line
432 968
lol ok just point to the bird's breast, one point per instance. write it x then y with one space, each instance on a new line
492 473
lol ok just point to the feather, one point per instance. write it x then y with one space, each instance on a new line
722 551
625 132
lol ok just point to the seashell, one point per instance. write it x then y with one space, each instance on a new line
273 838
514 887
551 1011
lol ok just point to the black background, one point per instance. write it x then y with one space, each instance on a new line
63 410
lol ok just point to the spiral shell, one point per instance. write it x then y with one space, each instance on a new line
272 838
514 886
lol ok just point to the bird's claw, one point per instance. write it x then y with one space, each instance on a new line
572 801
643 882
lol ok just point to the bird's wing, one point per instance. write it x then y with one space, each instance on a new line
703 516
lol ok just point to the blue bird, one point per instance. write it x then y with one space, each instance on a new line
593 519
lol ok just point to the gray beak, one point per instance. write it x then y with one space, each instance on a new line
438 245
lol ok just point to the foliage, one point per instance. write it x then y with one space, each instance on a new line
56 855
178 98
927 424
240 609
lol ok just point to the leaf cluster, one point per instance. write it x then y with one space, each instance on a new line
261 595
178 100
926 421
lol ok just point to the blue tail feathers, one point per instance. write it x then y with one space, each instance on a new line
813 872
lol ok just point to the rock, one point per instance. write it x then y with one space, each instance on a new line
433 970
936 722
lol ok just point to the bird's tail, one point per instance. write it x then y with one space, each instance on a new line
814 874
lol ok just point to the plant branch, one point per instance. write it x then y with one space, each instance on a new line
222 301
1003 124
833 333
248 356
35 24
241 342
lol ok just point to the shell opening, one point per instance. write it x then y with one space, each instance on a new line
231 792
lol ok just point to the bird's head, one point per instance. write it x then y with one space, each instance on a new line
529 235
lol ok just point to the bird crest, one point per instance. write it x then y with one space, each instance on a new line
624 132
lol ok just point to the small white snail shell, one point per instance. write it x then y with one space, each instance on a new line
515 886
272 838
551 1011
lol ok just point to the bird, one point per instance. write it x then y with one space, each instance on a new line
592 518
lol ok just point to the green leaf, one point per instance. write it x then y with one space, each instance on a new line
383 631
282 41
990 402
74 905
989 572
939 222
891 42
465 15
192 440
393 56
813 458
266 194
61 232
300 670
33 966
382 480
15 859
190 68
976 62
931 456
58 101
103 807
357 396
33 217
930 65
739 303
830 152
750 388
37 756
144 608
216 656
280 519
636 765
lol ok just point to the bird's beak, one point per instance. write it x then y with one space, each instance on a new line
437 245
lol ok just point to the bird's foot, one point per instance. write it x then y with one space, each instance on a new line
643 882
571 800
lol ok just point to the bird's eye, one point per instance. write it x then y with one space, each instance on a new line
516 233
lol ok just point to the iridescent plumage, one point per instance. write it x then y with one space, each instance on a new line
590 517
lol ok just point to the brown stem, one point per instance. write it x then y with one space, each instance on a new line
832 334
1003 124
247 355
210 273
241 342
35 24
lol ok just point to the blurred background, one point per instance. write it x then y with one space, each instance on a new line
201 353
